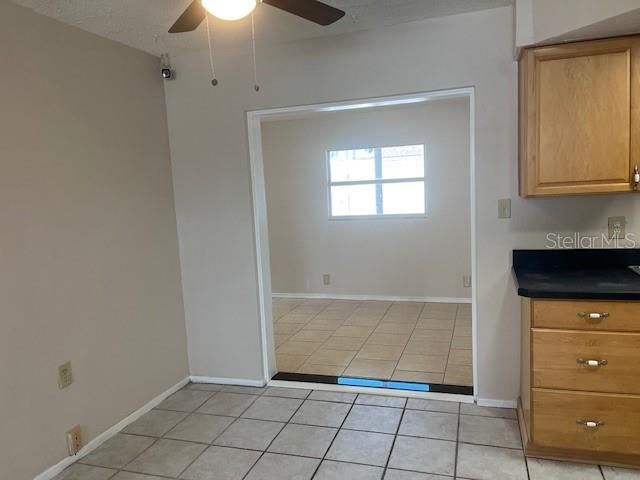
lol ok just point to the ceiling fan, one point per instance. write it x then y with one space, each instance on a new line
196 12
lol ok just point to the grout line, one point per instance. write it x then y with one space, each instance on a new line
395 437
404 349
455 458
274 438
334 438
369 336
446 365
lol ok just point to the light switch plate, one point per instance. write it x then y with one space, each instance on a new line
504 208
466 281
617 227
65 375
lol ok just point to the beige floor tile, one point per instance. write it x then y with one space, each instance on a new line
290 363
435 324
432 335
293 347
288 328
324 324
305 335
438 315
335 315
351 331
425 377
398 318
399 328
380 352
387 339
461 342
332 357
462 331
427 347
458 375
363 320
343 343
371 368
423 363
408 341
309 310
440 306
291 318
281 339
374 305
321 369
459 357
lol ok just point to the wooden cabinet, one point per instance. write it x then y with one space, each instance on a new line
580 117
580 380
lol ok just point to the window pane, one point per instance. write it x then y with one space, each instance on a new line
350 200
403 162
403 198
352 165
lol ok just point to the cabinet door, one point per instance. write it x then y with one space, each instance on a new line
578 115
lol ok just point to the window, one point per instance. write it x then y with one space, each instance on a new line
377 182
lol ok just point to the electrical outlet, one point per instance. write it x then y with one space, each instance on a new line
74 440
504 208
65 375
466 281
617 227
326 279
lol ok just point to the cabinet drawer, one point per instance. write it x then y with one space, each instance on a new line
556 353
587 315
557 416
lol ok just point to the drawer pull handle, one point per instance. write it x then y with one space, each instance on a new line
593 315
590 363
590 423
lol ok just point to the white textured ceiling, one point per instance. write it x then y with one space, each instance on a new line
143 24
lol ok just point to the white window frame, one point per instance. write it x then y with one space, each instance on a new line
378 183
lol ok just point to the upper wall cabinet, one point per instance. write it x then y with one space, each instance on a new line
579 117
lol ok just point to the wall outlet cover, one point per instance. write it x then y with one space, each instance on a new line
617 227
74 440
65 375
326 279
466 281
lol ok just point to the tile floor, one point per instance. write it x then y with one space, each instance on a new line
213 432
422 342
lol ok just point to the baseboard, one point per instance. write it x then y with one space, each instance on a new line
243 382
379 298
490 402
50 473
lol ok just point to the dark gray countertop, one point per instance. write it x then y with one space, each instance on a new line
577 274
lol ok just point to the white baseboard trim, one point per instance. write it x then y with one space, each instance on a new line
379 298
50 473
490 402
243 382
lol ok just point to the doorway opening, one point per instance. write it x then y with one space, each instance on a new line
364 221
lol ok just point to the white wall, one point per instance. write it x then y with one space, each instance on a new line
89 268
212 180
407 257
542 21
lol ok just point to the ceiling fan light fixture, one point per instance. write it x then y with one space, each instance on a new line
229 9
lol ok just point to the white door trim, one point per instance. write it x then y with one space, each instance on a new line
259 203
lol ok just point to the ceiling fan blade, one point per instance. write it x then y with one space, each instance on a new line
312 10
190 18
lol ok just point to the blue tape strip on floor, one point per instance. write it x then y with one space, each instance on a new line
367 382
